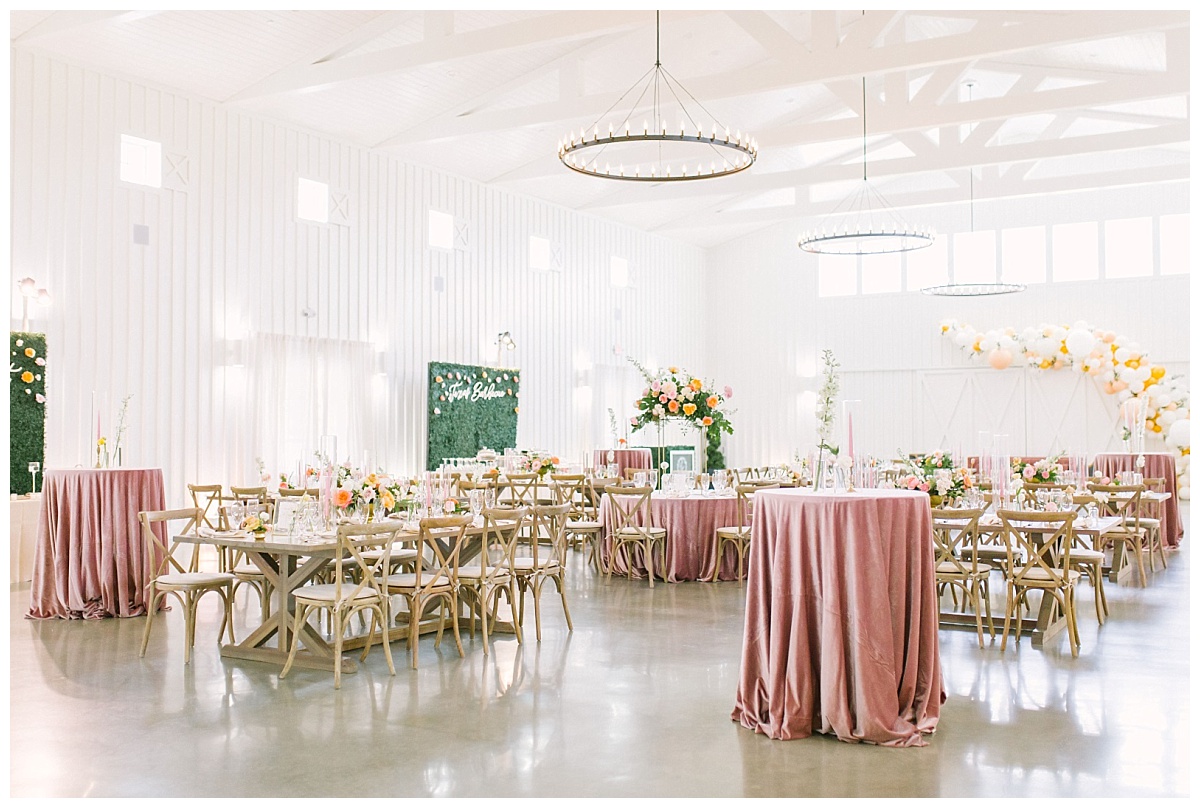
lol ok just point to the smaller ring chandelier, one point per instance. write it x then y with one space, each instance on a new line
654 151
866 225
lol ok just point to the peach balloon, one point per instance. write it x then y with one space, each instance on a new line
1118 386
1000 358
1109 388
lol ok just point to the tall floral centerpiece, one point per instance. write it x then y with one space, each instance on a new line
678 395
826 412
936 475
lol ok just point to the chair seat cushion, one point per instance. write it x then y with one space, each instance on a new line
949 567
408 580
1041 576
1086 555
328 593
475 573
399 554
584 525
193 579
527 565
734 532
653 531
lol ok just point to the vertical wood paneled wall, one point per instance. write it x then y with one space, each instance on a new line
172 322
775 326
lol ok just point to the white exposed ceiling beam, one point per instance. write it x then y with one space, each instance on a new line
899 118
838 65
865 30
825 33
61 21
1003 189
376 27
546 29
944 159
568 66
776 40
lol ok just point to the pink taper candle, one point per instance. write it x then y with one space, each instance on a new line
850 434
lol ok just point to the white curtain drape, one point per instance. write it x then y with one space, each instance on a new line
305 388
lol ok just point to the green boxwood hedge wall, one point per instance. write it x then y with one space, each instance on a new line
461 426
27 408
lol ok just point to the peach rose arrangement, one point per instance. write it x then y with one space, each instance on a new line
677 394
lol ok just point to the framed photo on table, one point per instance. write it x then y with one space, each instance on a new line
683 460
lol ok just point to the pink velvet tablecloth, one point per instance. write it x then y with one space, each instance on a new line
625 458
841 618
90 558
1158 464
691 524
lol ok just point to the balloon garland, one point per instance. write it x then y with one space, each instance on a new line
1119 364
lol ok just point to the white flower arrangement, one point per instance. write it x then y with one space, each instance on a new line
826 410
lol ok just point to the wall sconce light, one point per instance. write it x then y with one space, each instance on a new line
504 340
30 291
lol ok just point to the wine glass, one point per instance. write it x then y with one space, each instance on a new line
34 468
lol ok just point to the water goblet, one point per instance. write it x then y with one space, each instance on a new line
639 479
34 468
704 479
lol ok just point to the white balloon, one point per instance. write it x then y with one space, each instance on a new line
1163 400
1185 493
1180 434
1080 325
1141 373
1080 342
1121 355
1109 376
1166 417
1124 395
964 339
1047 347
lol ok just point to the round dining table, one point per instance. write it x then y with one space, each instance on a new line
691 523
1155 465
841 631
90 559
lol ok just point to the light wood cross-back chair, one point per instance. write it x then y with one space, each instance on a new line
235 561
543 564
956 556
571 489
482 584
630 506
522 489
581 530
1090 560
1150 517
434 578
350 593
1125 502
208 499
1039 557
739 535
171 577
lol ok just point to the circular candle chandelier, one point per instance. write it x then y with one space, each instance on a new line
864 223
972 289
655 147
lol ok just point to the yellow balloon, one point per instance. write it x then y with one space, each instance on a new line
1157 428
1157 372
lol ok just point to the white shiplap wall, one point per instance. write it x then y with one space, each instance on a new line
227 259
775 325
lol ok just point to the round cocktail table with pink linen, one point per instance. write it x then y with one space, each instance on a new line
841 628
691 524
1158 464
625 458
90 559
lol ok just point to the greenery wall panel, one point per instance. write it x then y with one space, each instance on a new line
471 408
27 413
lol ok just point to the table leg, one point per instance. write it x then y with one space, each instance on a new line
285 576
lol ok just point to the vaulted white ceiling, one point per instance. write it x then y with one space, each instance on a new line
1058 100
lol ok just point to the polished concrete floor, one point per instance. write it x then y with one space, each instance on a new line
635 702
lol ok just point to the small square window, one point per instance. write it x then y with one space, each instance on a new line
141 161
441 230
1129 248
928 266
975 257
312 200
1174 244
539 253
1024 252
1075 254
880 273
618 272
837 275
